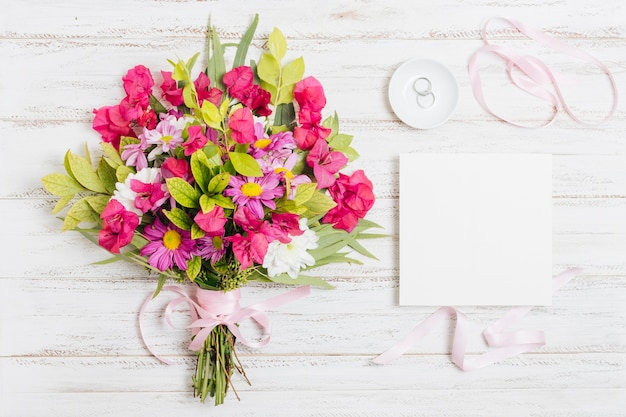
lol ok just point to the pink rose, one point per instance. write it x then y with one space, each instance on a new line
118 226
354 196
111 125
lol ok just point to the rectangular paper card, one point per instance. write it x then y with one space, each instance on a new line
475 229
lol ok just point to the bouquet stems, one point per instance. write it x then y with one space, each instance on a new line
216 362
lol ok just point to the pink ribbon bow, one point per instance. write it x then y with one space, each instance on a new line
214 308
531 74
506 344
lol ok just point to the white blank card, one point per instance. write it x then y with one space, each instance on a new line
475 229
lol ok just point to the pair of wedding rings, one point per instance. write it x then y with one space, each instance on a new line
425 95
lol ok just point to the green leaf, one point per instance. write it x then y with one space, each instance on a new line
293 72
351 153
107 175
244 43
211 115
340 141
200 169
179 218
216 67
183 192
301 280
223 201
98 202
285 115
285 95
191 62
245 164
213 155
270 89
156 105
319 203
84 173
122 172
219 183
196 232
112 153
193 267
206 203
190 96
360 249
61 185
277 44
269 70
80 212
304 192
62 203
160 284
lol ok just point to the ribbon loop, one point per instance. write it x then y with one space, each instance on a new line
213 308
536 71
505 344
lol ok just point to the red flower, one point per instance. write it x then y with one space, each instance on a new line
310 129
241 124
178 168
285 224
354 196
118 226
170 90
249 249
111 125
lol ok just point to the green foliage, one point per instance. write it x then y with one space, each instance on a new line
245 164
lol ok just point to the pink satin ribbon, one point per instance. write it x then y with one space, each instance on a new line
531 74
505 344
213 308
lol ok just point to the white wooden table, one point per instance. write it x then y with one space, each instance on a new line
69 341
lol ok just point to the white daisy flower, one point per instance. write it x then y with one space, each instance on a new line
291 257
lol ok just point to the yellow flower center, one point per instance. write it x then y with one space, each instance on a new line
171 239
218 242
287 173
251 189
262 143
166 139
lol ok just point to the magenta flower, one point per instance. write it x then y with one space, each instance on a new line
118 226
310 129
255 192
325 163
170 90
149 196
212 222
195 140
310 93
166 136
212 248
168 246
202 84
241 124
249 249
138 85
111 125
285 224
354 196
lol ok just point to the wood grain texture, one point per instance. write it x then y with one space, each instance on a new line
69 338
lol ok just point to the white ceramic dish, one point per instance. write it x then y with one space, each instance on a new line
433 109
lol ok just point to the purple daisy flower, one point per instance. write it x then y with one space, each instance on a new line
212 248
255 192
168 246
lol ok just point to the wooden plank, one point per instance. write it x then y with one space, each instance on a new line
326 21
559 402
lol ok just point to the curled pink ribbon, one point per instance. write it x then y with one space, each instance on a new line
506 344
214 308
532 73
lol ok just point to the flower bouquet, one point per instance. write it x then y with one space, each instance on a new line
220 178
